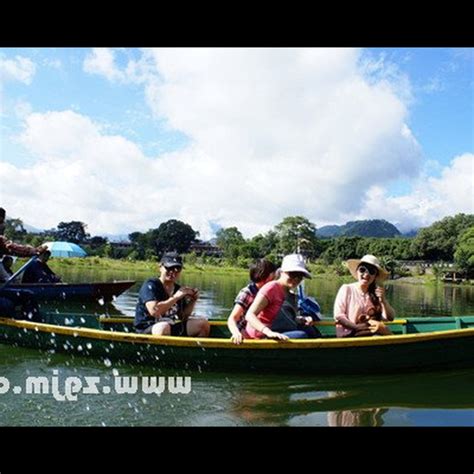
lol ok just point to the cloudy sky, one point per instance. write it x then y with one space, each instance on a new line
124 139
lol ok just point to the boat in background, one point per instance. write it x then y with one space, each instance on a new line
424 343
104 292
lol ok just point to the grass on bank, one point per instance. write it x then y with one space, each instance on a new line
318 270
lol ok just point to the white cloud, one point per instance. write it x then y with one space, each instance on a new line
431 198
101 61
273 132
18 69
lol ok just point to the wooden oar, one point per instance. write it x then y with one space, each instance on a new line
19 271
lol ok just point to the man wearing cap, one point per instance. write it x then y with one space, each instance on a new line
361 307
164 307
270 299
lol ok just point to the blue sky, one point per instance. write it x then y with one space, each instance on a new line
124 139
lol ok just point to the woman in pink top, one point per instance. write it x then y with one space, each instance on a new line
270 298
361 307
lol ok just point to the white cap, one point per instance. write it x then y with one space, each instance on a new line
294 263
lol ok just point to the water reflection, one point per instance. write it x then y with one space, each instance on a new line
368 417
231 399
218 293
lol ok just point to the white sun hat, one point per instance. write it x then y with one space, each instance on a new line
294 263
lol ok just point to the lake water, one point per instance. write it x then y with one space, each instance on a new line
235 399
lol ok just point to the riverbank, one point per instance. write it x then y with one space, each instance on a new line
58 265
319 271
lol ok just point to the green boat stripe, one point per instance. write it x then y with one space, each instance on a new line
226 343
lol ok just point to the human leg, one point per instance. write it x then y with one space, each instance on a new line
198 327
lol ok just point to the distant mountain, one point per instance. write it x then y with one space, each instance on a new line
410 233
32 230
116 237
366 228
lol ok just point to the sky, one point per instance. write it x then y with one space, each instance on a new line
124 139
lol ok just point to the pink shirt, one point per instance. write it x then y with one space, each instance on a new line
275 294
350 302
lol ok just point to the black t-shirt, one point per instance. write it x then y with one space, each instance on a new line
153 290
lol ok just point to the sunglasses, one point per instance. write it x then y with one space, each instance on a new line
370 271
173 269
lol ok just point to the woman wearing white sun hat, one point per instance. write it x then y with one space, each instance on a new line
270 299
361 307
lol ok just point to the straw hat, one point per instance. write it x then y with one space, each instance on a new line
353 263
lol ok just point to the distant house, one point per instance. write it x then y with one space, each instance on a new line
200 247
121 245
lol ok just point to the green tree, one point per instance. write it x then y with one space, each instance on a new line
141 243
73 231
464 254
97 241
296 233
231 241
343 248
14 229
265 245
173 235
438 241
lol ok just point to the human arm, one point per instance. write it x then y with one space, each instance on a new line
157 308
20 250
235 316
342 310
388 312
259 304
192 295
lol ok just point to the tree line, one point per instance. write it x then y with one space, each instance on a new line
450 239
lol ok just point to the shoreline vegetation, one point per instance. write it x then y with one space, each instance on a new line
319 270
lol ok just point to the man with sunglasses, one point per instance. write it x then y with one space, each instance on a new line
361 307
164 307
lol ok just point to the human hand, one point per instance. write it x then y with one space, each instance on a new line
184 291
375 326
41 249
276 335
237 338
305 320
380 293
361 326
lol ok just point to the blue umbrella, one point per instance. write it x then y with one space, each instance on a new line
65 249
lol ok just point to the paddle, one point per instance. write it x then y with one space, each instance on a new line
308 305
19 271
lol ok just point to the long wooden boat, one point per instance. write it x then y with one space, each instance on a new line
417 343
67 291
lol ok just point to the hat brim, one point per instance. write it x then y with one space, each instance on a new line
353 263
172 265
299 270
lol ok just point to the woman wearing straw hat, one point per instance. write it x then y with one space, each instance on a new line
361 307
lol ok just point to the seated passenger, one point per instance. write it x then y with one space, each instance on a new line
270 299
164 307
39 271
361 307
261 271
289 319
